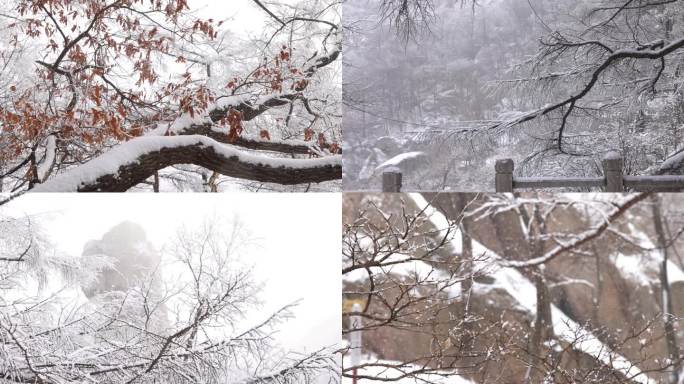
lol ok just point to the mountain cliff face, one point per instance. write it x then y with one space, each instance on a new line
131 255
601 312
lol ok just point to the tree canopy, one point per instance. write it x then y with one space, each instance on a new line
112 95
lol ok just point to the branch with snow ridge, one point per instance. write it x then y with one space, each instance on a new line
195 140
297 147
131 163
249 110
673 164
582 238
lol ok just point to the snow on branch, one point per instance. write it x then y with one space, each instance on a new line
298 147
131 163
672 164
197 142
402 159
581 239
570 101
248 110
297 370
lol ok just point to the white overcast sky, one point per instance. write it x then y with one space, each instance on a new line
297 257
241 16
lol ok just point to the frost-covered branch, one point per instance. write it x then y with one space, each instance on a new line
568 104
189 329
582 238
86 98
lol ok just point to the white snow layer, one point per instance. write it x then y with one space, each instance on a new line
525 293
50 152
129 152
185 121
673 162
644 268
400 159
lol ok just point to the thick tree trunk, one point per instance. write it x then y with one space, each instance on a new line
543 321
466 266
542 331
135 161
670 333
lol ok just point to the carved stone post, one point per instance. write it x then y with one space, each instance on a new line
612 171
504 175
391 180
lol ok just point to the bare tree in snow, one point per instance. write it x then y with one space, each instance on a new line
555 85
626 46
515 298
118 336
407 277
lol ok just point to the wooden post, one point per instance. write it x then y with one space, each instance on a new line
504 175
612 171
391 180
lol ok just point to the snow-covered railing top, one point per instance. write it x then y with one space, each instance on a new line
613 180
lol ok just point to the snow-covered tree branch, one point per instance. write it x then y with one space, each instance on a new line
554 86
86 77
124 314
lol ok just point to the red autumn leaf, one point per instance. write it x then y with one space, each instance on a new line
122 110
308 134
96 95
96 115
321 140
334 148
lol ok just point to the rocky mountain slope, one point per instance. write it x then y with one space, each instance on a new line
454 300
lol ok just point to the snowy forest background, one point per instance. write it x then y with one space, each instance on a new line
532 288
442 88
138 295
